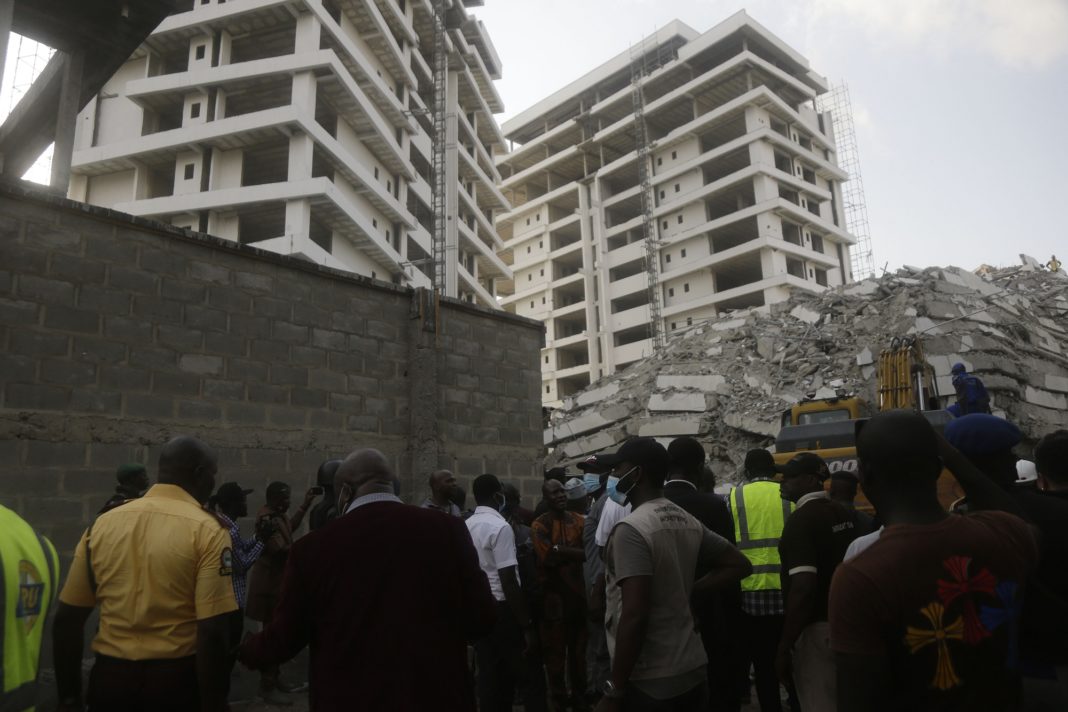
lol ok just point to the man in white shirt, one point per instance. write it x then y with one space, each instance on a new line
500 654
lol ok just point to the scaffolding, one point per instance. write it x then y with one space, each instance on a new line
30 59
642 64
439 115
854 207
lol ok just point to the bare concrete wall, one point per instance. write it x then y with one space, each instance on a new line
120 333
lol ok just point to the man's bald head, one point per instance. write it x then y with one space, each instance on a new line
190 464
363 472
442 485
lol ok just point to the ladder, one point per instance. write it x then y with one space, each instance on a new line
439 112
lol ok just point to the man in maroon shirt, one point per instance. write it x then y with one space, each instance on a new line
927 617
387 595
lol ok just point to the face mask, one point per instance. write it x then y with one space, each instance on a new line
342 503
592 482
503 503
620 496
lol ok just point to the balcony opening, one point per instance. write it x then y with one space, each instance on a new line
791 233
275 42
261 223
817 243
626 270
631 335
731 200
738 273
266 163
321 235
821 277
730 163
269 94
795 268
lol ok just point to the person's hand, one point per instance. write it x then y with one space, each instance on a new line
783 665
309 497
609 704
530 640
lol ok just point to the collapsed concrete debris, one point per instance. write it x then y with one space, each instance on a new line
727 381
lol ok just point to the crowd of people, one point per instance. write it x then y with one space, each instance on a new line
631 586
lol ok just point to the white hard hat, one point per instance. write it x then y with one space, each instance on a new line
1026 473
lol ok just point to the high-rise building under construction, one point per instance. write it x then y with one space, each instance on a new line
689 176
310 128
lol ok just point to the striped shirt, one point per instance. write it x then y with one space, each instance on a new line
246 551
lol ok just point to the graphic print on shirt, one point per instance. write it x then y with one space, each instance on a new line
969 609
31 593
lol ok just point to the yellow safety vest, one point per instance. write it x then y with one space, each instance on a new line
759 516
29 569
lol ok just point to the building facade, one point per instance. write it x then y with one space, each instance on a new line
305 127
742 196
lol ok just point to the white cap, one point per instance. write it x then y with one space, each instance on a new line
574 488
1026 473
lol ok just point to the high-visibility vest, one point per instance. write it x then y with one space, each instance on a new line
759 516
29 569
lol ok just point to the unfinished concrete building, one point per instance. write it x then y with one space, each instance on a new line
305 127
704 152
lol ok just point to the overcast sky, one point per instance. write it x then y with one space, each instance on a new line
961 106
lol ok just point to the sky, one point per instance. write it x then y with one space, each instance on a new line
960 106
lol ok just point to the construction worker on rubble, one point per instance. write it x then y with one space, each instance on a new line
1054 264
971 393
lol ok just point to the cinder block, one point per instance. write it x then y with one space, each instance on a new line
247 370
326 420
68 373
93 400
307 356
270 307
76 269
226 344
36 397
132 279
153 357
308 397
53 237
35 482
125 378
266 393
363 423
103 300
288 375
346 404
305 313
201 364
18 369
157 309
378 406
382 330
25 260
287 417
209 272
182 384
49 291
270 351
328 339
99 350
108 456
246 414
163 262
40 453
252 326
39 343
138 405
179 337
219 389
66 319
363 385
18 312
253 282
134 331
229 300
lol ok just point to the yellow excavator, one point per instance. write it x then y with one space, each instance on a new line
827 426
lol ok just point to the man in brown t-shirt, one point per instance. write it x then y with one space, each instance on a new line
926 618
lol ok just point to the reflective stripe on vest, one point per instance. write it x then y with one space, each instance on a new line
28 572
759 516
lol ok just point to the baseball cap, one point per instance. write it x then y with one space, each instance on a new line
574 488
979 434
556 473
806 463
638 451
760 461
958 367
1026 472
592 464
231 492
130 471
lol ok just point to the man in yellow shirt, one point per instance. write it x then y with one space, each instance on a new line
160 569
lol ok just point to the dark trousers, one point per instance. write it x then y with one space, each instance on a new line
721 638
237 627
695 700
762 634
500 663
563 646
117 685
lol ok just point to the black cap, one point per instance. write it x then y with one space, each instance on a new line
806 463
231 492
557 473
593 464
638 451
129 472
760 462
277 489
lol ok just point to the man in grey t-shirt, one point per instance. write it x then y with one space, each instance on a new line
658 661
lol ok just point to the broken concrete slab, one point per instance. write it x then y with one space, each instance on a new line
597 441
597 395
865 358
805 314
707 383
685 425
1045 398
1056 383
677 402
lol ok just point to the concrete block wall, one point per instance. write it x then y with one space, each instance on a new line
119 333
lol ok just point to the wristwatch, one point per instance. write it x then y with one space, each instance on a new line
611 691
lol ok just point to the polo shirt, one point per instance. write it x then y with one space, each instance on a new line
815 540
161 563
495 542
611 515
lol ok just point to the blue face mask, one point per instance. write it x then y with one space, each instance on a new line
617 496
592 482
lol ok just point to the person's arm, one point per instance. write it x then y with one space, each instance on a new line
298 516
477 607
213 656
981 491
287 633
76 602
800 605
630 634
246 551
724 563
68 640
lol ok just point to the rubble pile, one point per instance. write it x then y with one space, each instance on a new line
727 381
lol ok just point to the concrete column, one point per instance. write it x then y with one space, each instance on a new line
756 119
304 92
604 307
66 120
301 151
452 187
307 37
589 273
772 263
298 220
